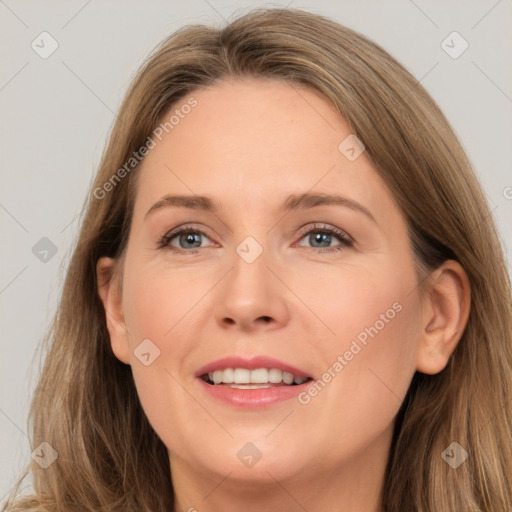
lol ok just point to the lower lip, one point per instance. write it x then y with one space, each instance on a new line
253 398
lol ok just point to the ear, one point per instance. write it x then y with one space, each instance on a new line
445 311
109 290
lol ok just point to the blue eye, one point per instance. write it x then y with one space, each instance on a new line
185 235
189 239
323 234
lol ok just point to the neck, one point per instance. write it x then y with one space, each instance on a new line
355 485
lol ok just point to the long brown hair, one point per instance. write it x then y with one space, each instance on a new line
86 405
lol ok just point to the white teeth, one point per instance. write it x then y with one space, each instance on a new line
287 378
275 376
228 376
243 376
218 376
259 376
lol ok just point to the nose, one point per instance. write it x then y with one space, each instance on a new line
252 297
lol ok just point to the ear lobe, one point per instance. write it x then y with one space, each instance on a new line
445 312
110 294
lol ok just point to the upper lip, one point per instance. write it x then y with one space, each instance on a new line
251 364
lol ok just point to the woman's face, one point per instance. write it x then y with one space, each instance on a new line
327 290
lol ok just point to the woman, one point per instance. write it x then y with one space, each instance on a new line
256 370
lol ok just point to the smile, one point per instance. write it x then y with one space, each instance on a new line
259 378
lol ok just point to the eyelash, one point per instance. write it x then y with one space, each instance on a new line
346 241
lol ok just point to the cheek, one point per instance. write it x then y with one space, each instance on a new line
157 300
155 306
370 357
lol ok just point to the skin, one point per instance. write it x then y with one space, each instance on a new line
249 145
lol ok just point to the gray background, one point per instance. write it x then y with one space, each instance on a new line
57 112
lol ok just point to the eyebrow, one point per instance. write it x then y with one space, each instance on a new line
293 202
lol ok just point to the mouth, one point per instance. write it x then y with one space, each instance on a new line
258 378
250 383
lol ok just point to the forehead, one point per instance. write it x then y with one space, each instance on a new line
253 142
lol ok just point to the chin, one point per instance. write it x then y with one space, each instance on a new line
256 459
